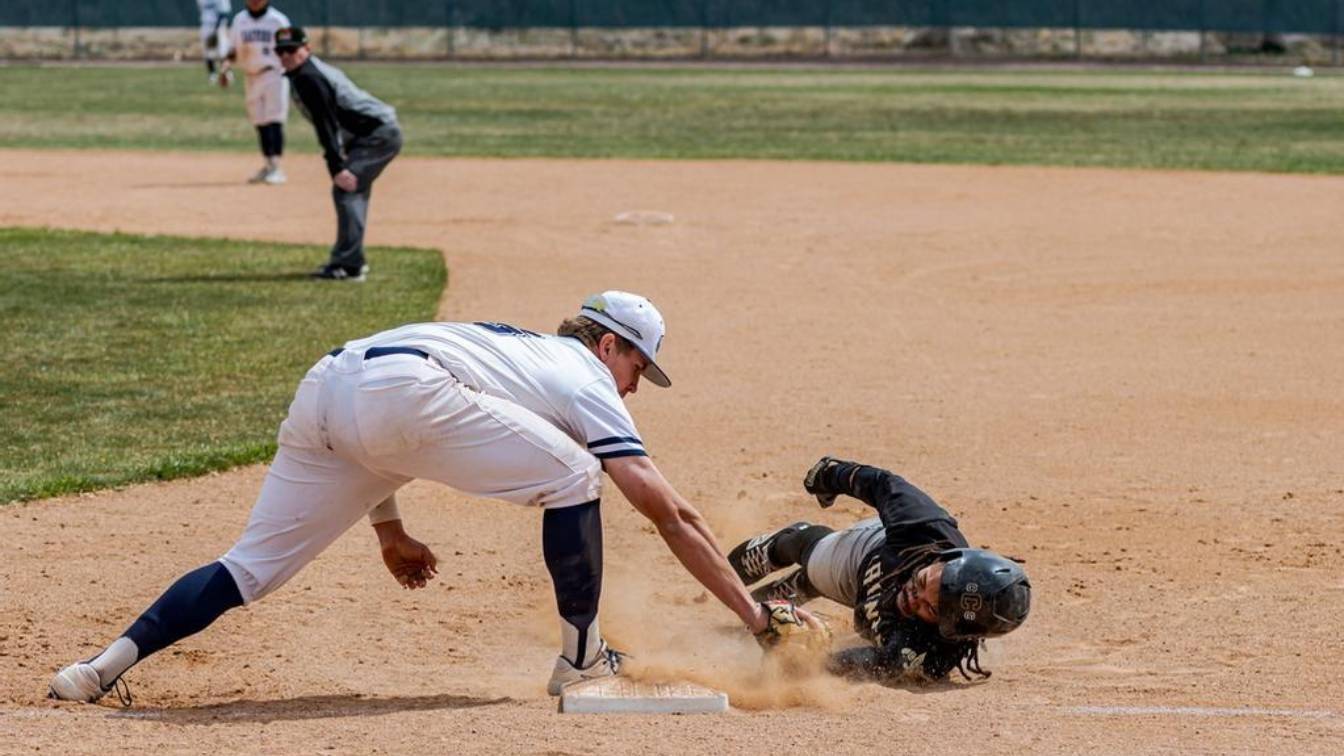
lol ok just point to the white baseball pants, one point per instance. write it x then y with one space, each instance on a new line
359 429
267 97
211 26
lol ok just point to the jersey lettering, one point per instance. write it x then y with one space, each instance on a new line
872 591
504 329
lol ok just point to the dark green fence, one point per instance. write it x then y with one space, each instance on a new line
1263 16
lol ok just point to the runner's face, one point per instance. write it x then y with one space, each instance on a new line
919 596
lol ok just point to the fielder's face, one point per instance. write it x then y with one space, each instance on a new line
919 596
626 366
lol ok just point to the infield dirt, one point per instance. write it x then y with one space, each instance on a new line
1130 379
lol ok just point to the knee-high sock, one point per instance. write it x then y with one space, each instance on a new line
571 540
277 139
189 605
271 138
794 545
264 140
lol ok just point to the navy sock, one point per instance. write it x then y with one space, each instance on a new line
197 599
571 541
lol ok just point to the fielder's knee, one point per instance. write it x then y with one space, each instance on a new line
253 583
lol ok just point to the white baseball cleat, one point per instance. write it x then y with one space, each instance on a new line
274 177
77 682
608 664
259 176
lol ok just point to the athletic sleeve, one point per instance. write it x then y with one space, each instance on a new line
319 102
910 517
598 413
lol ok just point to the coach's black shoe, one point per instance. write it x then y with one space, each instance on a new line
751 558
334 272
793 586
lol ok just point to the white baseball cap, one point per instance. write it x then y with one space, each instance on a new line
634 318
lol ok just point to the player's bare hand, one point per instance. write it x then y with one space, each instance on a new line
411 562
345 181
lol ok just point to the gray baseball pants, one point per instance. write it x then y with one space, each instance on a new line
833 565
366 157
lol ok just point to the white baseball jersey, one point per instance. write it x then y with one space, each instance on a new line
212 13
212 10
555 377
253 40
495 411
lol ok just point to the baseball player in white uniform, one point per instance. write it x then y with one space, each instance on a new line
489 409
215 38
252 43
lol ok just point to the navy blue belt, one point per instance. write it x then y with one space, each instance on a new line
373 352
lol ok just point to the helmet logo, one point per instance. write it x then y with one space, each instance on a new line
971 603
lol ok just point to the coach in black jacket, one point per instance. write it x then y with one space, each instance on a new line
359 135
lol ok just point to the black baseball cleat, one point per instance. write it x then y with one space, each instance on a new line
751 558
793 586
816 483
334 272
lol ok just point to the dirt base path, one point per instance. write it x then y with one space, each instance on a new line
1130 379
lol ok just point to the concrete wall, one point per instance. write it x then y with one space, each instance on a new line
744 43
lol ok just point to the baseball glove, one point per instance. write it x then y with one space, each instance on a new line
786 626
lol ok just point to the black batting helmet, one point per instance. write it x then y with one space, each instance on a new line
981 595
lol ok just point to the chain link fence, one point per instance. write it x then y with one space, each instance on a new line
714 28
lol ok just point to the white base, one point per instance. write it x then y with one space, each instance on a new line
622 695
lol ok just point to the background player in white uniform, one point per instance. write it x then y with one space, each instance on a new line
488 409
215 38
252 39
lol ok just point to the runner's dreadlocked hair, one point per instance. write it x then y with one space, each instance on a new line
964 656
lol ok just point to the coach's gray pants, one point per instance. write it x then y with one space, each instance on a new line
366 157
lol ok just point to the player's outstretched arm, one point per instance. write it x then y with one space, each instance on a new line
686 534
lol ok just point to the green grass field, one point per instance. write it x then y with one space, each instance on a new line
1261 120
132 358
136 358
